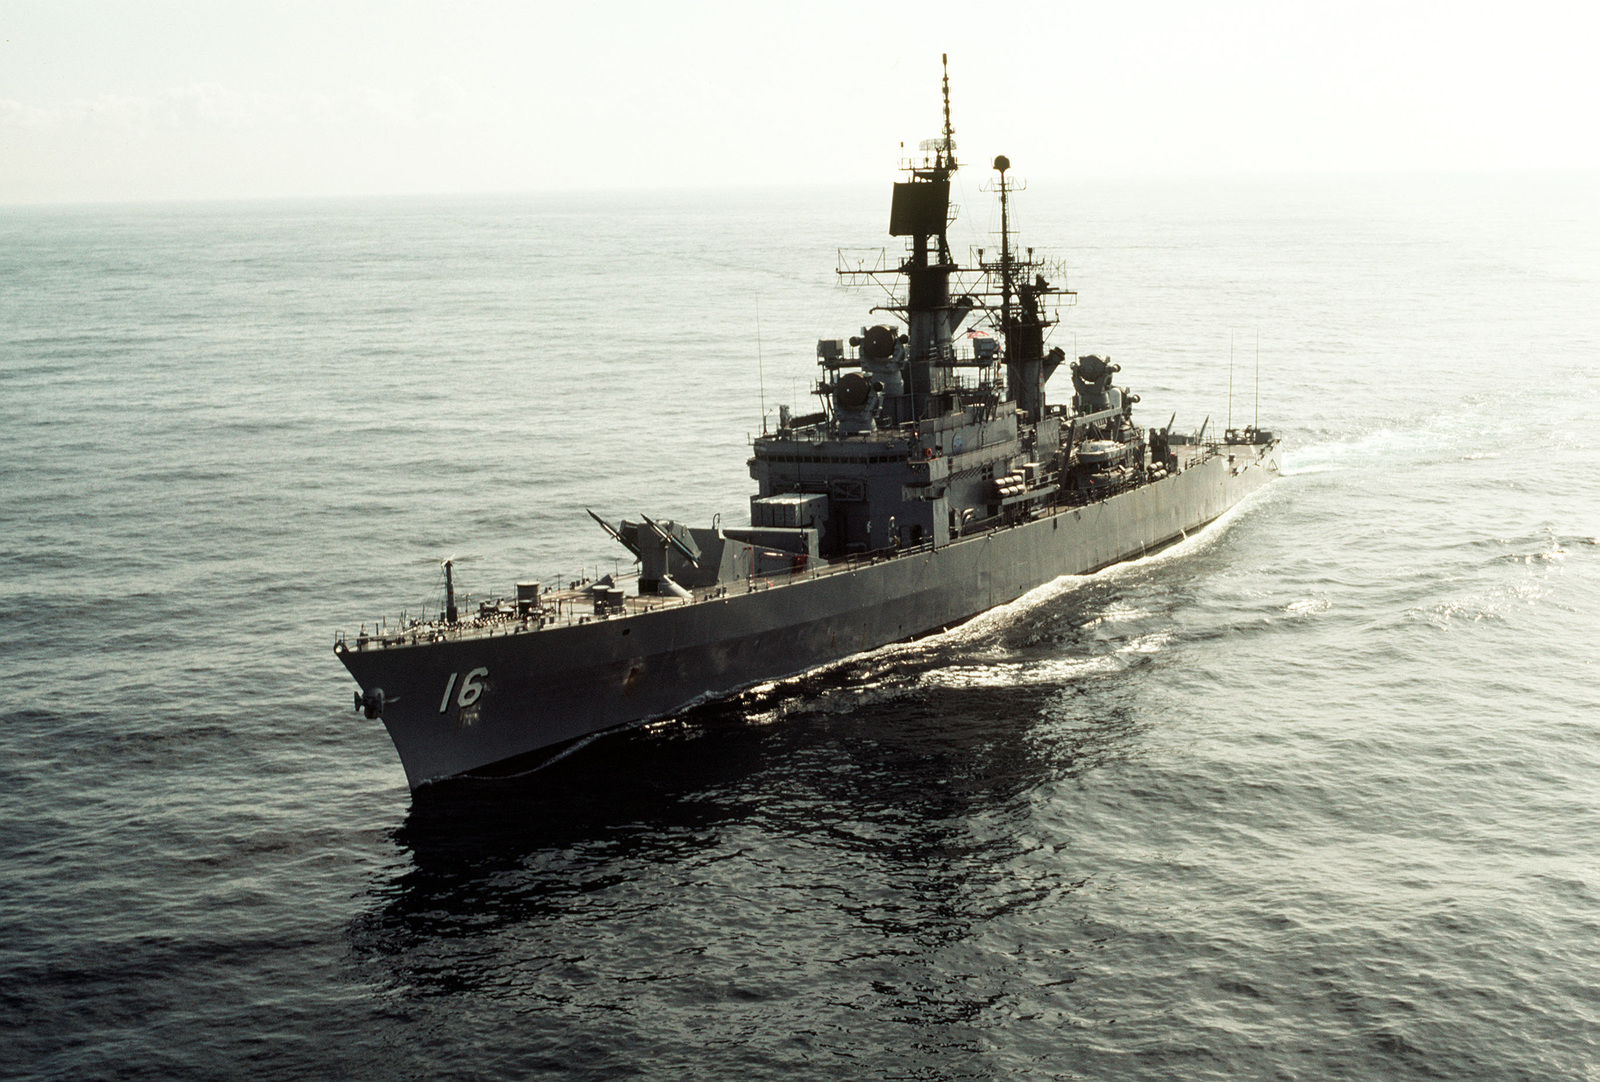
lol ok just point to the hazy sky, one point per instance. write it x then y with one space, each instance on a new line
221 99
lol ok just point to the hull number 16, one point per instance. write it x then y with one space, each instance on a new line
471 690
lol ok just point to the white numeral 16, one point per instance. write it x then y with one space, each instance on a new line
471 689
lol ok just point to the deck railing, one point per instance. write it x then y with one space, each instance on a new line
575 606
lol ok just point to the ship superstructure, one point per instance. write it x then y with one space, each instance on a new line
935 482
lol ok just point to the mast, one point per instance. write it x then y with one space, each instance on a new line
921 211
917 367
949 131
1008 283
1023 318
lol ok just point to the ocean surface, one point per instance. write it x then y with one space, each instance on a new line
1312 795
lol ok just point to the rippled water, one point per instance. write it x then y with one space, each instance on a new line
1311 795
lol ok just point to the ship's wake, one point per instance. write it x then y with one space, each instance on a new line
1071 628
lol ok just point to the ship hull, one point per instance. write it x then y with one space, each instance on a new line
538 689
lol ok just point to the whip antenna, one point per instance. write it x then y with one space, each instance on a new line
761 379
1230 383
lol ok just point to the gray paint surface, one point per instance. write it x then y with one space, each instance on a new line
550 686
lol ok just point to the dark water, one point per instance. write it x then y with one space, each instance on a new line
1313 795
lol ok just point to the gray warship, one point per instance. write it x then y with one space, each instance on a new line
935 482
